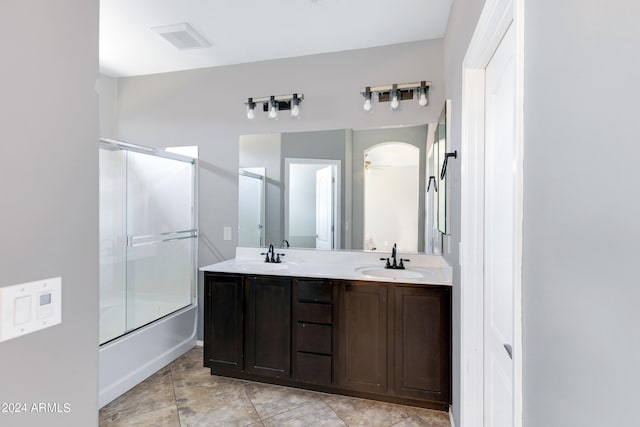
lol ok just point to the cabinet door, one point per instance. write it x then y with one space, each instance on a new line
423 343
268 327
363 337
223 324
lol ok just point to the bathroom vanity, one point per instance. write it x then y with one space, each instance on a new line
333 321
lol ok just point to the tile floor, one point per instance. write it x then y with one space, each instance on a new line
184 393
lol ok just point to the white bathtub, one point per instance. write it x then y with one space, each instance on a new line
130 359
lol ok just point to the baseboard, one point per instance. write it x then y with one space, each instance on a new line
452 420
200 343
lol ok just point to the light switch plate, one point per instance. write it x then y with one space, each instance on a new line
29 307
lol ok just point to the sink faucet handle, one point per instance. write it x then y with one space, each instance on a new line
402 261
388 264
278 257
266 258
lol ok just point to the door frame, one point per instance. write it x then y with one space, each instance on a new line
496 17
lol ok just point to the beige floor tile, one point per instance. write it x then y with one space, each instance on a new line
367 413
316 414
154 394
160 417
270 400
215 406
432 417
185 394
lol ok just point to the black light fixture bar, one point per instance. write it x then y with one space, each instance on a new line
402 95
282 105
284 101
405 90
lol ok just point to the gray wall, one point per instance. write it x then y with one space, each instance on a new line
581 211
581 208
206 108
49 191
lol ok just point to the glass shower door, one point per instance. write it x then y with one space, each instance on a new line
113 243
160 237
148 236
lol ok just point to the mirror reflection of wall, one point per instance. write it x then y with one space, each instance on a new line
347 148
251 186
392 172
263 151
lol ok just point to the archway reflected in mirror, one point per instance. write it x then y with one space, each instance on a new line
391 185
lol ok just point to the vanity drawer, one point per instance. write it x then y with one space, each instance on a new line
313 338
313 368
314 291
313 312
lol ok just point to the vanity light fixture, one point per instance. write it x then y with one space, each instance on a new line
397 92
422 94
395 104
367 99
295 106
275 103
273 108
251 109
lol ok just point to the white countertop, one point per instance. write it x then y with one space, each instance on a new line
349 265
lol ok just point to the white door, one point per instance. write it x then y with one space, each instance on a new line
251 209
500 267
324 208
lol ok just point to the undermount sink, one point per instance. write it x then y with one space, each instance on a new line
390 273
261 267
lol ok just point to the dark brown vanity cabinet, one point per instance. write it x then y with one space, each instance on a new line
313 332
385 341
363 337
223 325
268 326
422 334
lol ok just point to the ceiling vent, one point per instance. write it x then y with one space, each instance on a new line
182 36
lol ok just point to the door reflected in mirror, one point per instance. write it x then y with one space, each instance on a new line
312 203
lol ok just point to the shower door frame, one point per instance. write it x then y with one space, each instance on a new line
107 143
129 359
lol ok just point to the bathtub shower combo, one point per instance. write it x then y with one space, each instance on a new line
148 244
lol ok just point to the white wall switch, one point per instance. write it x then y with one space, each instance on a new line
227 233
29 307
21 310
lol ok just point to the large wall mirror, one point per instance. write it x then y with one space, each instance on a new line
360 189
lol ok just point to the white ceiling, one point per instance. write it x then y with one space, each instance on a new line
242 31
